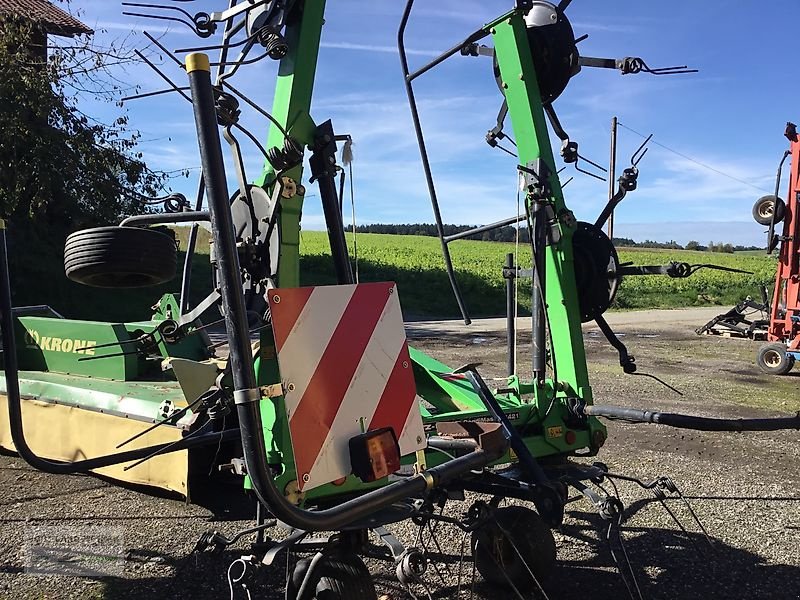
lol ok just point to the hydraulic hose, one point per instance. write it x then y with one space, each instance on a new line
247 395
679 421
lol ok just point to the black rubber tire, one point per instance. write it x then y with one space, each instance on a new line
773 360
762 210
337 577
494 552
120 257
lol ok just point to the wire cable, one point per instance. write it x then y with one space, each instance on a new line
695 161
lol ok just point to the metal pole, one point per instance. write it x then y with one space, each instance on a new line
612 174
226 255
511 304
539 244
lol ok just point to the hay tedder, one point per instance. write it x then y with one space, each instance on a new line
332 421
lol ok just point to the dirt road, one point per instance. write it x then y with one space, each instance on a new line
743 487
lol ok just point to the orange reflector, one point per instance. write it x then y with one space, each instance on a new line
375 454
570 437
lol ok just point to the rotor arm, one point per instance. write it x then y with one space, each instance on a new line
632 65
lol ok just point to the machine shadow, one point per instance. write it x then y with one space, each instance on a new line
662 559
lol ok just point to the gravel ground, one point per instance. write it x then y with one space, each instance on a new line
743 487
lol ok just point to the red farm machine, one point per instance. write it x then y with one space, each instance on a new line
330 420
778 356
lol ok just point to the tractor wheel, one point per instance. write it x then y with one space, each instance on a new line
765 206
773 360
120 257
514 545
335 577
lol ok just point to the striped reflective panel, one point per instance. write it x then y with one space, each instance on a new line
345 366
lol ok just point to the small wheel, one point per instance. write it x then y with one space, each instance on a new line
120 257
773 360
335 577
517 543
765 206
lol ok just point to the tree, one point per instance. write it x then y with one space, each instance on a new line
693 245
60 169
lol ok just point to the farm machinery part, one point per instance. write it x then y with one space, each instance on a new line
322 416
740 322
782 325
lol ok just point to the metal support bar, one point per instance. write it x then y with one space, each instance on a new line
491 226
191 244
470 39
426 165
192 216
509 272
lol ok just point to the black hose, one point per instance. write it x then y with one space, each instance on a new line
247 395
634 415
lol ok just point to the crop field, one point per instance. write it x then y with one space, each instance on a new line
416 264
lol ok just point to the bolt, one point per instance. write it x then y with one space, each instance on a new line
405 364
505 85
306 477
522 77
290 387
419 439
391 290
276 299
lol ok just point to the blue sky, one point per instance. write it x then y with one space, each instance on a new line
730 116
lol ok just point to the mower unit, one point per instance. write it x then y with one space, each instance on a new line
332 421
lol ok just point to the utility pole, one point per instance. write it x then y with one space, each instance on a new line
612 174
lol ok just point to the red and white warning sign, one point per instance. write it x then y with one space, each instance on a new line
344 362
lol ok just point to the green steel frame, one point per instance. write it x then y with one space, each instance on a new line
537 408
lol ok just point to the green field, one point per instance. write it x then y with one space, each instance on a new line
415 263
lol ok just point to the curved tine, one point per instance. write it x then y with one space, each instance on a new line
256 107
636 157
639 159
174 418
679 70
189 15
252 139
162 75
579 170
150 94
219 46
162 18
161 46
594 164
242 55
241 62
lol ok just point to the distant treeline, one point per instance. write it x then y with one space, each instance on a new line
508 234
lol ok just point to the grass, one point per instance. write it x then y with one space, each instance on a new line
415 263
